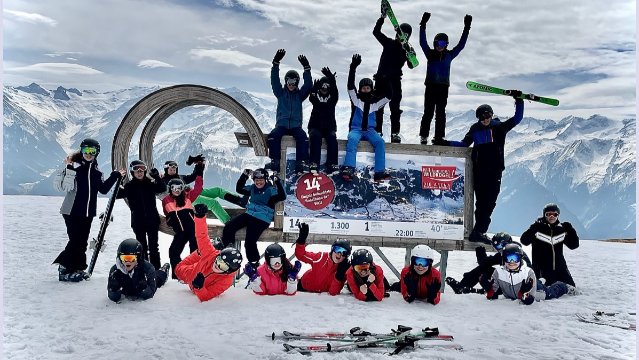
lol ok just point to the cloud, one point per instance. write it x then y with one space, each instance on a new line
62 53
31 18
152 64
233 40
57 69
231 57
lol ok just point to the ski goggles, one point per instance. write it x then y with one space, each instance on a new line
177 187
499 246
420 261
138 168
291 81
513 258
128 257
171 165
361 268
441 43
90 150
257 174
326 86
553 214
275 261
339 250
221 264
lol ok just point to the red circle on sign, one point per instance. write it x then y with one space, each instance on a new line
315 192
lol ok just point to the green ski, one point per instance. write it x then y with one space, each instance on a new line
470 85
410 52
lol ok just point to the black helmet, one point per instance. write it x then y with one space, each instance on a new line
366 82
231 257
170 163
292 75
500 240
344 244
177 182
259 174
324 83
361 256
130 247
136 163
407 29
550 207
510 249
440 36
482 109
274 250
88 142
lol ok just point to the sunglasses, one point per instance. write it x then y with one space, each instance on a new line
139 168
424 262
339 250
513 258
441 43
361 268
275 261
553 214
128 257
177 187
90 150
221 264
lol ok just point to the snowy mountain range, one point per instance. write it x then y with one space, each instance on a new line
587 166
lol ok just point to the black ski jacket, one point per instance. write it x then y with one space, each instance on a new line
140 195
323 113
141 283
393 55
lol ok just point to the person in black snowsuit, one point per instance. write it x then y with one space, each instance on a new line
322 124
132 276
485 266
389 73
81 180
489 137
145 219
171 172
547 236
438 78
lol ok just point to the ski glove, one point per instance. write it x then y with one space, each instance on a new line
340 274
526 286
292 274
432 290
467 20
528 299
154 173
425 18
357 59
567 226
514 93
279 55
384 8
198 282
200 210
301 239
329 75
247 172
251 271
486 284
199 169
274 178
304 61
411 285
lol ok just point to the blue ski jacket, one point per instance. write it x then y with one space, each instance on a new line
261 203
438 66
289 103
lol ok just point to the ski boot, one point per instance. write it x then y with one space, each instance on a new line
423 140
313 168
454 284
301 167
441 142
348 173
69 276
476 236
332 169
381 176
274 166
395 139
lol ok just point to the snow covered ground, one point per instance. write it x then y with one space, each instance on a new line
46 319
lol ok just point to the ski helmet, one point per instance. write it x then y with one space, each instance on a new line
343 243
407 29
513 250
500 240
259 174
421 251
134 164
88 142
170 163
361 256
232 258
482 109
292 76
551 207
440 37
177 184
274 251
130 247
366 82
324 83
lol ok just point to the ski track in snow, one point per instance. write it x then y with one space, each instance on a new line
46 319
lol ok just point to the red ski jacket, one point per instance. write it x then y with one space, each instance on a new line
321 276
425 280
375 289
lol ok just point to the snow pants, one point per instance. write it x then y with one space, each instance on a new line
254 228
316 136
354 137
395 111
177 246
209 196
274 141
150 250
487 187
74 256
553 291
435 100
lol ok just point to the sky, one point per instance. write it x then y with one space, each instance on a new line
581 53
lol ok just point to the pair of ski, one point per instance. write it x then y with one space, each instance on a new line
398 340
619 320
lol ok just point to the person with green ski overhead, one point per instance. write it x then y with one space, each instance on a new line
389 75
438 78
363 122
322 124
489 136
140 194
289 112
81 180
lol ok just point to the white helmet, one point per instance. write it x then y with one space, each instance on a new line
422 251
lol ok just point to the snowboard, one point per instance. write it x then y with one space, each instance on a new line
97 244
626 321
470 85
403 38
